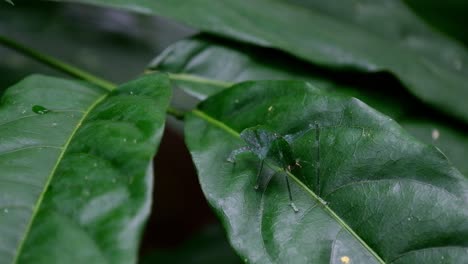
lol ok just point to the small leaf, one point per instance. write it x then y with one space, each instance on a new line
195 65
384 196
76 183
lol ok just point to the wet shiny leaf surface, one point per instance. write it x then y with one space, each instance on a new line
372 194
76 180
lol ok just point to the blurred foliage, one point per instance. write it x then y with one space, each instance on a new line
368 36
447 16
113 44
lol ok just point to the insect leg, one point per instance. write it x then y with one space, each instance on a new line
290 195
259 172
286 169
317 161
234 153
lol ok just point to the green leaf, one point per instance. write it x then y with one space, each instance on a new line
91 38
453 143
195 65
369 36
447 16
198 66
371 194
76 180
222 63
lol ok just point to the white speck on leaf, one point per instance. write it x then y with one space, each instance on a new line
435 134
345 260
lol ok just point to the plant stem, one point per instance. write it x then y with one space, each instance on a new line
56 64
175 113
194 79
69 69
197 79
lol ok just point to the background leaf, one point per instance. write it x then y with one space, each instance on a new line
453 143
388 196
369 36
76 180
447 16
206 57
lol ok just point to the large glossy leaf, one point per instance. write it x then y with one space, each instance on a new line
453 143
371 194
198 66
369 36
75 169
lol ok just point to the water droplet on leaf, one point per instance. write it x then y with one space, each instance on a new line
40 110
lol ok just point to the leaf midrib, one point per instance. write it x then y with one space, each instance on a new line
318 199
52 174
